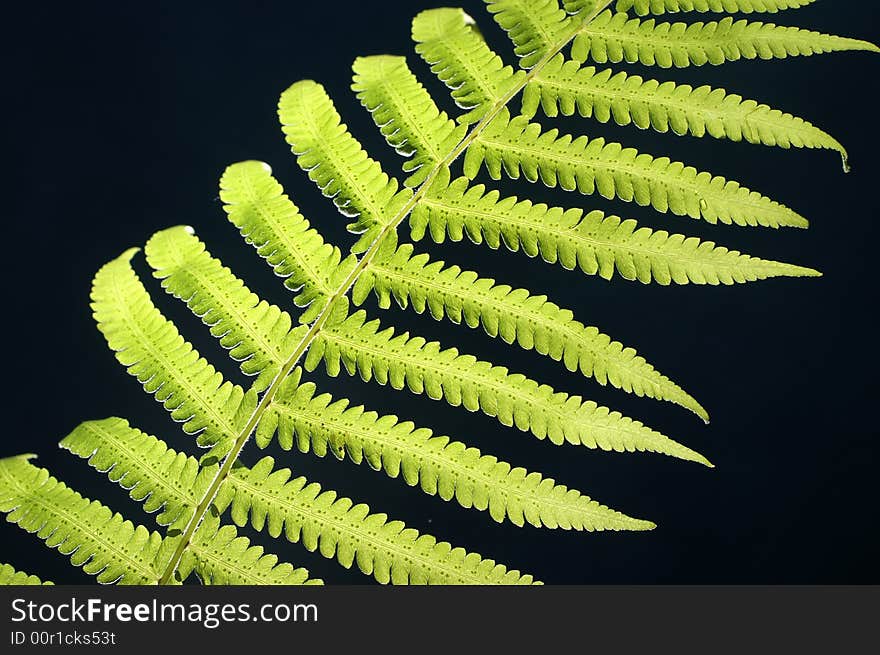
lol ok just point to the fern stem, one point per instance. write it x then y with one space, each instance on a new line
315 328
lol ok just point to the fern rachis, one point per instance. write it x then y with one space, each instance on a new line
275 349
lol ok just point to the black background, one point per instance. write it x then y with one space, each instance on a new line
122 117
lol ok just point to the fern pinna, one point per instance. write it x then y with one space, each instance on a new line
569 54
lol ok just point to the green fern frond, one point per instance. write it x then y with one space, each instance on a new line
563 87
172 484
153 351
406 114
514 315
449 43
104 544
462 380
169 483
657 7
256 333
337 527
177 483
220 557
9 576
589 166
438 465
617 37
336 162
255 203
534 26
594 243
190 496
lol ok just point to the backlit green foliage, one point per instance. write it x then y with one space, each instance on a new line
562 49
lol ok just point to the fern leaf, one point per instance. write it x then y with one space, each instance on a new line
577 6
169 367
256 204
595 243
220 557
10 577
256 333
438 465
190 495
336 527
179 481
514 315
167 482
536 27
563 87
104 544
448 40
658 7
406 114
513 399
592 165
174 483
336 162
617 37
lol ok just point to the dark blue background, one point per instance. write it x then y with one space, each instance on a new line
122 117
